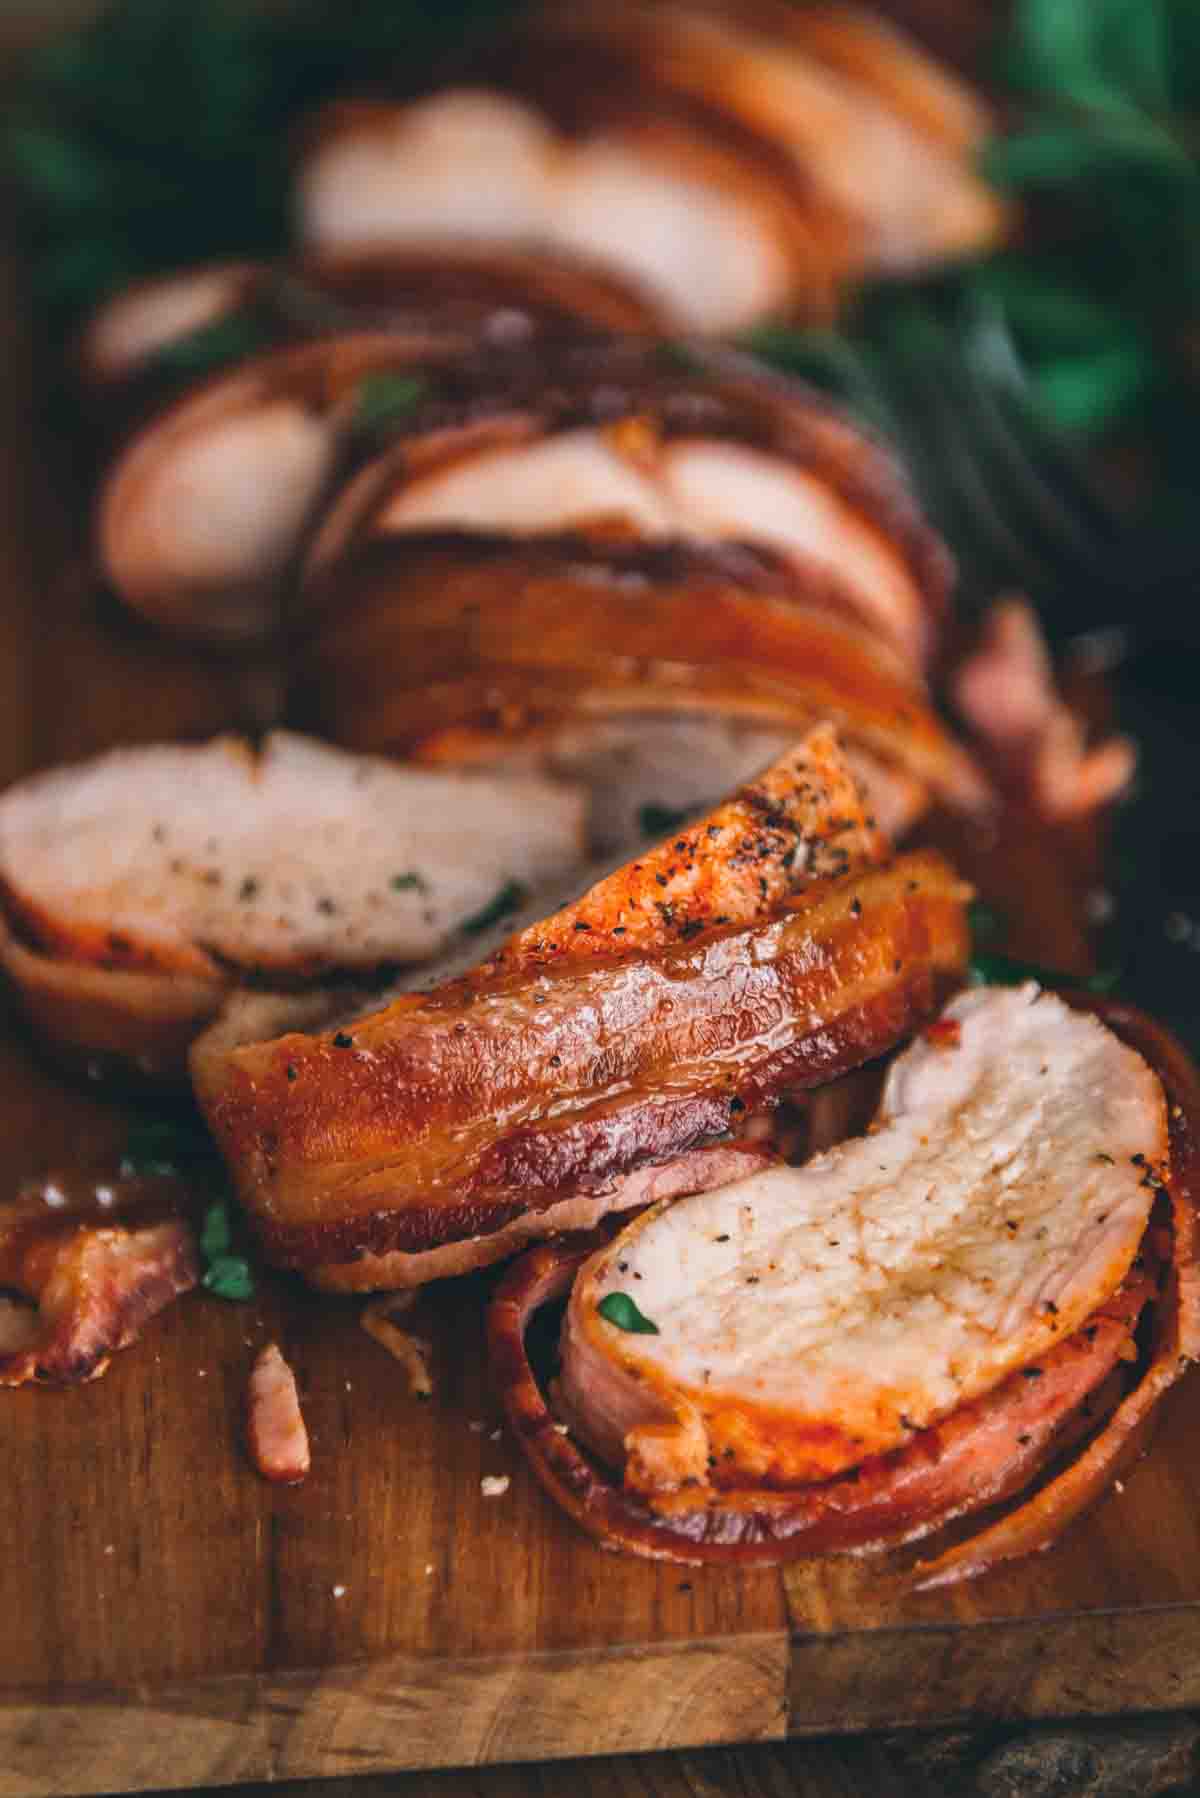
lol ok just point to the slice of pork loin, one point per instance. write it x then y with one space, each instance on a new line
139 887
715 245
734 167
909 196
747 955
201 513
808 1319
613 442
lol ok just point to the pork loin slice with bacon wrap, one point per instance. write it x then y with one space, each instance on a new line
914 1325
659 676
203 516
765 948
139 888
735 161
645 444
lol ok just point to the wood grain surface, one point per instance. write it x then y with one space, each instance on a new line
168 1620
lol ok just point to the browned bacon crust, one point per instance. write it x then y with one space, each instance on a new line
97 1268
454 647
986 1452
446 1115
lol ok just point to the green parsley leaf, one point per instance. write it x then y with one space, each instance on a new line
510 896
229 1277
408 883
213 347
619 1309
385 400
216 1237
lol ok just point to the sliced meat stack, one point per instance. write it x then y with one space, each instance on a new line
588 1061
739 159
139 889
231 397
915 1324
652 572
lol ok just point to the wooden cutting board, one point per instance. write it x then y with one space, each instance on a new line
168 1620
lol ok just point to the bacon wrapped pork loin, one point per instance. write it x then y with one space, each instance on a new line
656 676
206 511
978 1299
140 888
738 159
590 1060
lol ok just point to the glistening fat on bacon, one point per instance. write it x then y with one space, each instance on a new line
761 949
901 1332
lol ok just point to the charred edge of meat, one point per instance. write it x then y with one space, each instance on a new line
754 1528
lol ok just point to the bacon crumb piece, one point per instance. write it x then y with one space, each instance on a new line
943 1033
275 1429
1006 691
92 1264
494 1485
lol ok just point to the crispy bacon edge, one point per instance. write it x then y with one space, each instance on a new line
765 1529
95 1281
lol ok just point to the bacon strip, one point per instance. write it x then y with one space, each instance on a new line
276 1435
1006 691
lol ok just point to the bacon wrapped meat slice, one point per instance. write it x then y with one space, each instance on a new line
735 161
758 950
984 1333
622 443
657 677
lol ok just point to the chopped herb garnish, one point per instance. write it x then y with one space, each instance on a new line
659 820
342 1041
385 399
164 1148
216 1238
619 1309
229 1277
213 347
407 883
510 896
